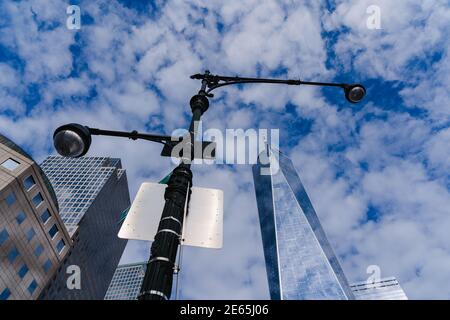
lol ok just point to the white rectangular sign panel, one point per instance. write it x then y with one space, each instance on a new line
203 226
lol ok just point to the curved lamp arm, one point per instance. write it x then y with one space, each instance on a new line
215 81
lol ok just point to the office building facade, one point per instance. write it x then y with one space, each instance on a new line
92 192
127 281
33 239
300 261
382 289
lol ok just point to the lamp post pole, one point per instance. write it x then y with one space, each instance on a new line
157 283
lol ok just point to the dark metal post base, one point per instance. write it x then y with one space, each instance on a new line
157 284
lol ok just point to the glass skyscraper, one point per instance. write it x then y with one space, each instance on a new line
126 282
300 262
33 239
78 182
382 289
92 192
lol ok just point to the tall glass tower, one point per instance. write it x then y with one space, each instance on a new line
92 193
299 259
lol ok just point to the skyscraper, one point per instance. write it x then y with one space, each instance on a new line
126 282
300 262
33 239
92 193
382 289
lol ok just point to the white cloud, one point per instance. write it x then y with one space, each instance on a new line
46 51
437 152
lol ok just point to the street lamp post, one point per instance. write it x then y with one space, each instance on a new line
157 283
73 140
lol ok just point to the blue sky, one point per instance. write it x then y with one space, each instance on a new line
377 172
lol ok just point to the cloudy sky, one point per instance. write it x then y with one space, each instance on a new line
377 172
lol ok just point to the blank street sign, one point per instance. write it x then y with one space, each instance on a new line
203 225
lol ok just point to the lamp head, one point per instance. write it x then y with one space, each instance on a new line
72 140
354 92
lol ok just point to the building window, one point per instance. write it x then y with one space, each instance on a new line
5 294
10 199
38 251
29 182
47 265
3 236
20 217
53 231
60 246
23 271
45 216
12 255
37 200
32 287
10 164
30 234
